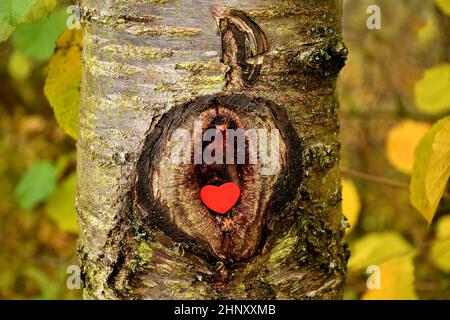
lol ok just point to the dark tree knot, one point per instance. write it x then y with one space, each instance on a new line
174 167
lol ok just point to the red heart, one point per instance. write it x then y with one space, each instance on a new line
220 199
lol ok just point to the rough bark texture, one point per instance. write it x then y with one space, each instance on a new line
148 65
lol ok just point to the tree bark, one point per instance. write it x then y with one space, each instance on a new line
151 67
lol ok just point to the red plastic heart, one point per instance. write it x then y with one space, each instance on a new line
220 199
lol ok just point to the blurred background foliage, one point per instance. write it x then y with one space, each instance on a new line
395 96
394 88
38 227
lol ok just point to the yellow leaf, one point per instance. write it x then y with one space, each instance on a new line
39 8
62 87
432 92
19 66
396 282
351 204
61 205
401 142
376 248
444 5
440 250
431 169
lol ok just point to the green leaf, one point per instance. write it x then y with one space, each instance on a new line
444 5
37 40
375 248
61 205
19 67
440 250
15 12
431 169
62 86
432 92
36 185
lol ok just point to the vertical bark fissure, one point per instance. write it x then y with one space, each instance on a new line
141 59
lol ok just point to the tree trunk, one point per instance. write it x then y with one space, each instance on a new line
152 67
